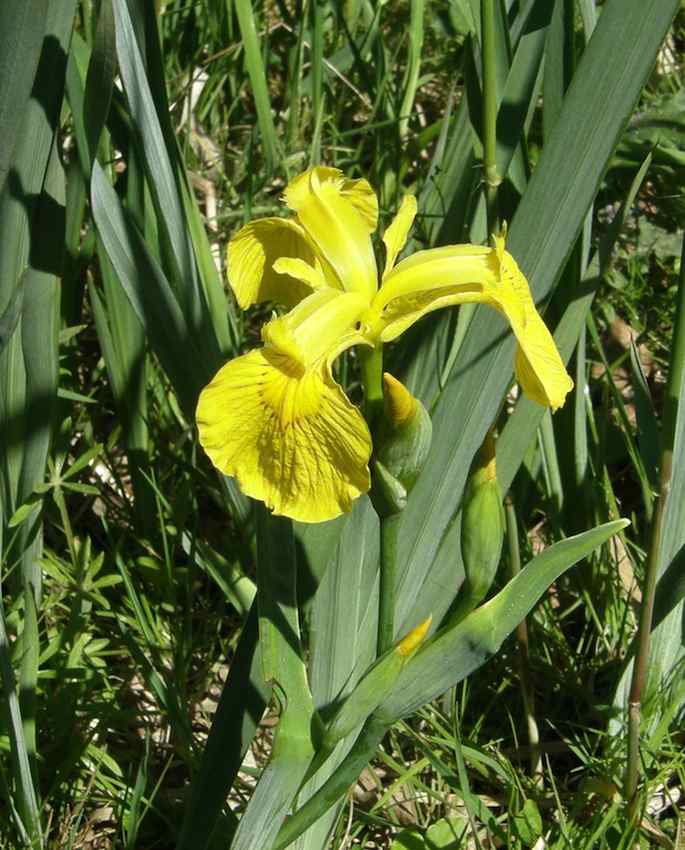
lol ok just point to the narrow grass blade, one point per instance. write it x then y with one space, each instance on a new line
26 801
411 79
255 69
647 426
520 87
242 703
22 28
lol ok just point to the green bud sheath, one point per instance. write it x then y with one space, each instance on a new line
401 446
482 533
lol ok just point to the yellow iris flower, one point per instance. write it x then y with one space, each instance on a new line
275 418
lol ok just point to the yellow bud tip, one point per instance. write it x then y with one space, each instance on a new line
488 461
400 404
411 642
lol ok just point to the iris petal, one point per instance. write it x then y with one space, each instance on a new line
251 256
461 274
337 221
291 438
395 237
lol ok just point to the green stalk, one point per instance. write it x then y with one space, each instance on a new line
492 178
522 640
640 667
413 65
388 580
371 365
317 11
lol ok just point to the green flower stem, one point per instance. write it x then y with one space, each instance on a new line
371 364
527 692
335 787
640 667
386 590
492 178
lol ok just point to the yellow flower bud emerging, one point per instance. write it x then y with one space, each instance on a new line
400 404
412 641
401 444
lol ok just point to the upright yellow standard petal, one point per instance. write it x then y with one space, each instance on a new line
251 256
289 436
336 215
358 192
395 237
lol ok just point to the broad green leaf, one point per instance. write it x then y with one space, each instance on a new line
149 293
342 615
100 79
456 651
283 664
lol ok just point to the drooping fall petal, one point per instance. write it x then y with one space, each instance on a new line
460 274
290 436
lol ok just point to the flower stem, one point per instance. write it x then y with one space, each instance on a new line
386 590
492 178
527 692
371 364
640 666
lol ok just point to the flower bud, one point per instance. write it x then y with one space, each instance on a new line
401 446
482 531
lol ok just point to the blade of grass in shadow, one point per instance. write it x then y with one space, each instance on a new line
242 703
165 181
149 292
26 801
100 79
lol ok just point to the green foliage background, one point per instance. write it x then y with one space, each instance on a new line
135 138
